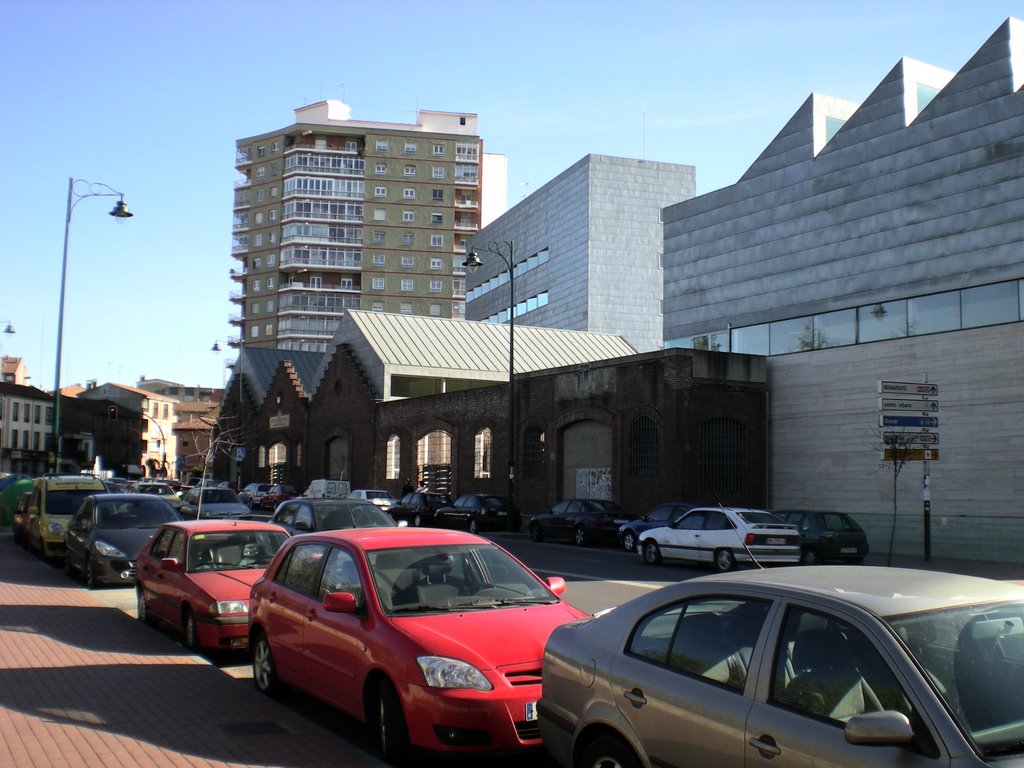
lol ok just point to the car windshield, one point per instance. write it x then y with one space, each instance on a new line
231 550
67 502
974 658
493 502
444 578
219 496
157 488
144 513
600 505
760 518
332 517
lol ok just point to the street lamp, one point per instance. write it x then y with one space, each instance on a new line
473 263
93 189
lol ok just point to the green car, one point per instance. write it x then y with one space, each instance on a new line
827 535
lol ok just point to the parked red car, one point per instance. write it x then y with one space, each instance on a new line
432 637
277 494
196 575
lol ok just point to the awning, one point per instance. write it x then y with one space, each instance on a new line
133 469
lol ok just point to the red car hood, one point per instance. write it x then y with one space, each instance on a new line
489 638
227 585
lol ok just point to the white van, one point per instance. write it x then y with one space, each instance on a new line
328 489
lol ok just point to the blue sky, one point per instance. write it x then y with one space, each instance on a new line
149 98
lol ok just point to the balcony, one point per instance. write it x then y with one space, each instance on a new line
321 258
316 302
236 319
237 297
470 204
243 157
466 225
472 179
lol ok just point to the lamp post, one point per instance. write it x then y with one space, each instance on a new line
473 263
120 211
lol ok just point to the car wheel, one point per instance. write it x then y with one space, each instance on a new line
609 752
392 734
188 626
535 532
652 555
474 526
629 541
725 560
809 556
264 671
579 536
142 608
90 575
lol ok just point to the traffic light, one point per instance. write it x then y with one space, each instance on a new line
111 413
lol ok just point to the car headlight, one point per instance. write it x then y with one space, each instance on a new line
442 672
229 606
107 550
55 529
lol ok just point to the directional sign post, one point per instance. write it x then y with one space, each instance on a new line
905 388
930 422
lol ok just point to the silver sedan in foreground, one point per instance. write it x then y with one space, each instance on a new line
841 666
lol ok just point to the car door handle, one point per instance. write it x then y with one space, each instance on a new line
636 697
311 614
766 746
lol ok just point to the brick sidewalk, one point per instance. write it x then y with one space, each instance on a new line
84 685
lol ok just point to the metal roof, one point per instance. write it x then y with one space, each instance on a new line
467 349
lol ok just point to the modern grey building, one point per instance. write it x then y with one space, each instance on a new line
872 242
586 250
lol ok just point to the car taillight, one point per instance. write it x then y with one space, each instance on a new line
751 539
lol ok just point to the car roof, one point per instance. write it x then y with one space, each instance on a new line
318 501
388 538
212 525
882 591
123 497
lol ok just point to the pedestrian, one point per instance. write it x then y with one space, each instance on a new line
407 488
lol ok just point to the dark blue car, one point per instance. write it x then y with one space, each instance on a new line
661 515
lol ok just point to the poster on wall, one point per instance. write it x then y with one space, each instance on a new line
593 483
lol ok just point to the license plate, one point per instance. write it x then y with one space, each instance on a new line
848 550
531 711
775 540
620 521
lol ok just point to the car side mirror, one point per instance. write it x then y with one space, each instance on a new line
556 584
888 727
170 564
341 602
403 523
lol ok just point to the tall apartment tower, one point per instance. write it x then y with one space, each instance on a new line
338 214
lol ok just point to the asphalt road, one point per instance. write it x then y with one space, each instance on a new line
596 578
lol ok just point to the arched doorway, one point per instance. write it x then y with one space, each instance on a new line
587 461
337 459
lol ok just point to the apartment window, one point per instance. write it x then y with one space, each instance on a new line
438 172
407 284
406 308
259 217
272 215
261 172
643 447
316 282
378 259
409 193
15 410
270 305
382 145
275 147
380 214
380 191
268 329
407 238
377 306
256 285
260 195
438 150
533 452
272 238
261 151
437 218
377 283
378 237
408 216
271 283
437 241
273 169
410 170
437 195
435 286
255 332
408 261
254 308
257 263
271 259
381 169
410 147
435 310
38 414
435 263
273 193
35 441
257 240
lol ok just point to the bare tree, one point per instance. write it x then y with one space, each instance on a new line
223 440
898 447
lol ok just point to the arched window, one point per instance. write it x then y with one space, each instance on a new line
482 454
643 447
434 461
393 461
278 463
723 456
533 452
